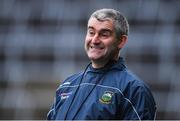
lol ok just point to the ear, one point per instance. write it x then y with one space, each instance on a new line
122 41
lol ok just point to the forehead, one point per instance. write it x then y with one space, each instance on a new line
96 24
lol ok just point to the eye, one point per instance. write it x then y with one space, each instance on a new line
91 32
105 34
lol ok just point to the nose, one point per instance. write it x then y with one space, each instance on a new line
95 39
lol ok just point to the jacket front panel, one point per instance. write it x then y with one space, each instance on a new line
109 94
105 107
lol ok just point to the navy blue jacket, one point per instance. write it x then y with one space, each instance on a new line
111 92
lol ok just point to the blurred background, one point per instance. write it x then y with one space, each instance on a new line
42 42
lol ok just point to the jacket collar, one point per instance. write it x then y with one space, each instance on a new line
111 65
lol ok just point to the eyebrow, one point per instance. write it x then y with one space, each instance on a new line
90 27
104 29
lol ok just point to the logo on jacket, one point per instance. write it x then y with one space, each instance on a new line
65 84
106 97
65 95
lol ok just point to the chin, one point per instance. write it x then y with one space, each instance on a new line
97 59
94 58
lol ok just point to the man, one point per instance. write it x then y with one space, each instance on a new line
106 90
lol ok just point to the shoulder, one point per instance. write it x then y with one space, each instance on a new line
128 82
135 87
133 81
140 95
128 77
72 79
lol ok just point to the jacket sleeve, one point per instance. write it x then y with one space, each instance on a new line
139 103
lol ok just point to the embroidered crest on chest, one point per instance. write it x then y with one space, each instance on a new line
106 98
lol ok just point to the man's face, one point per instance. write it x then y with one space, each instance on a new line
100 43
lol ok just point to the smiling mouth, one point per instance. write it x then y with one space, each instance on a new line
96 47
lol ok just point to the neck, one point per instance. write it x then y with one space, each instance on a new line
100 63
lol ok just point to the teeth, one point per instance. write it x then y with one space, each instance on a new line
96 47
92 46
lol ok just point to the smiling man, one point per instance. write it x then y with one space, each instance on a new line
101 44
106 89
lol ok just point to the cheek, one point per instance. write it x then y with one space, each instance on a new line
111 46
109 43
87 41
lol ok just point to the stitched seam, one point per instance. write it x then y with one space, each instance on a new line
50 111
